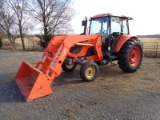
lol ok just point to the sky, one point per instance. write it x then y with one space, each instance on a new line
146 13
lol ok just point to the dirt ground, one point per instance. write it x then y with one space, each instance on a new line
114 95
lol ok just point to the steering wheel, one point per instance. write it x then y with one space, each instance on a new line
114 35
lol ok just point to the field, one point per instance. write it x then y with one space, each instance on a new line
114 95
151 45
31 43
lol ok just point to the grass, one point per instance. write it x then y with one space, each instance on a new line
143 40
151 46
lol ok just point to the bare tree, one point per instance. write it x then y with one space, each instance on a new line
19 8
6 22
54 16
1 30
1 35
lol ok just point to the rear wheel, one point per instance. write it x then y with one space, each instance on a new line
68 68
130 56
89 71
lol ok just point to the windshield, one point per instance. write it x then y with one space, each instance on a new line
100 25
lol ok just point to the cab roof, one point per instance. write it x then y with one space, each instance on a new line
111 15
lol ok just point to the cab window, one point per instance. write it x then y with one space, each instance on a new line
125 27
115 24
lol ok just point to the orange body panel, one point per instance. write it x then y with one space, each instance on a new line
122 40
34 82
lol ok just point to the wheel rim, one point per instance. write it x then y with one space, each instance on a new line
135 55
90 72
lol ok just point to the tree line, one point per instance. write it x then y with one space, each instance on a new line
46 18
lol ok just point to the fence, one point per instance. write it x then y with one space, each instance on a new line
151 49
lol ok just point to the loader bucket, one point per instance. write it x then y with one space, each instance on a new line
32 82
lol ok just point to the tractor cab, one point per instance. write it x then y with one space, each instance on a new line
110 27
106 24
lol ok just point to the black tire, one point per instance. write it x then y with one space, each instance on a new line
69 68
89 71
130 56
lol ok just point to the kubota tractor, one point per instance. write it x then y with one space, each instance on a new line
107 40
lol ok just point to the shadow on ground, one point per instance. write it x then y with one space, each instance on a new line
67 78
10 92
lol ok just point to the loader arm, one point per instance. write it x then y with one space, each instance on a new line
35 83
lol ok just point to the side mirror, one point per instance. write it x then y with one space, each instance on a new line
84 22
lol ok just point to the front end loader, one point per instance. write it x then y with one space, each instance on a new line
108 40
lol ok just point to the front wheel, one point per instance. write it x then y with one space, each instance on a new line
89 71
68 68
130 56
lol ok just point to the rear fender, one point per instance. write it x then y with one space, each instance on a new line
119 43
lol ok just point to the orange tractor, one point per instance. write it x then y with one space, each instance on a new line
107 40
